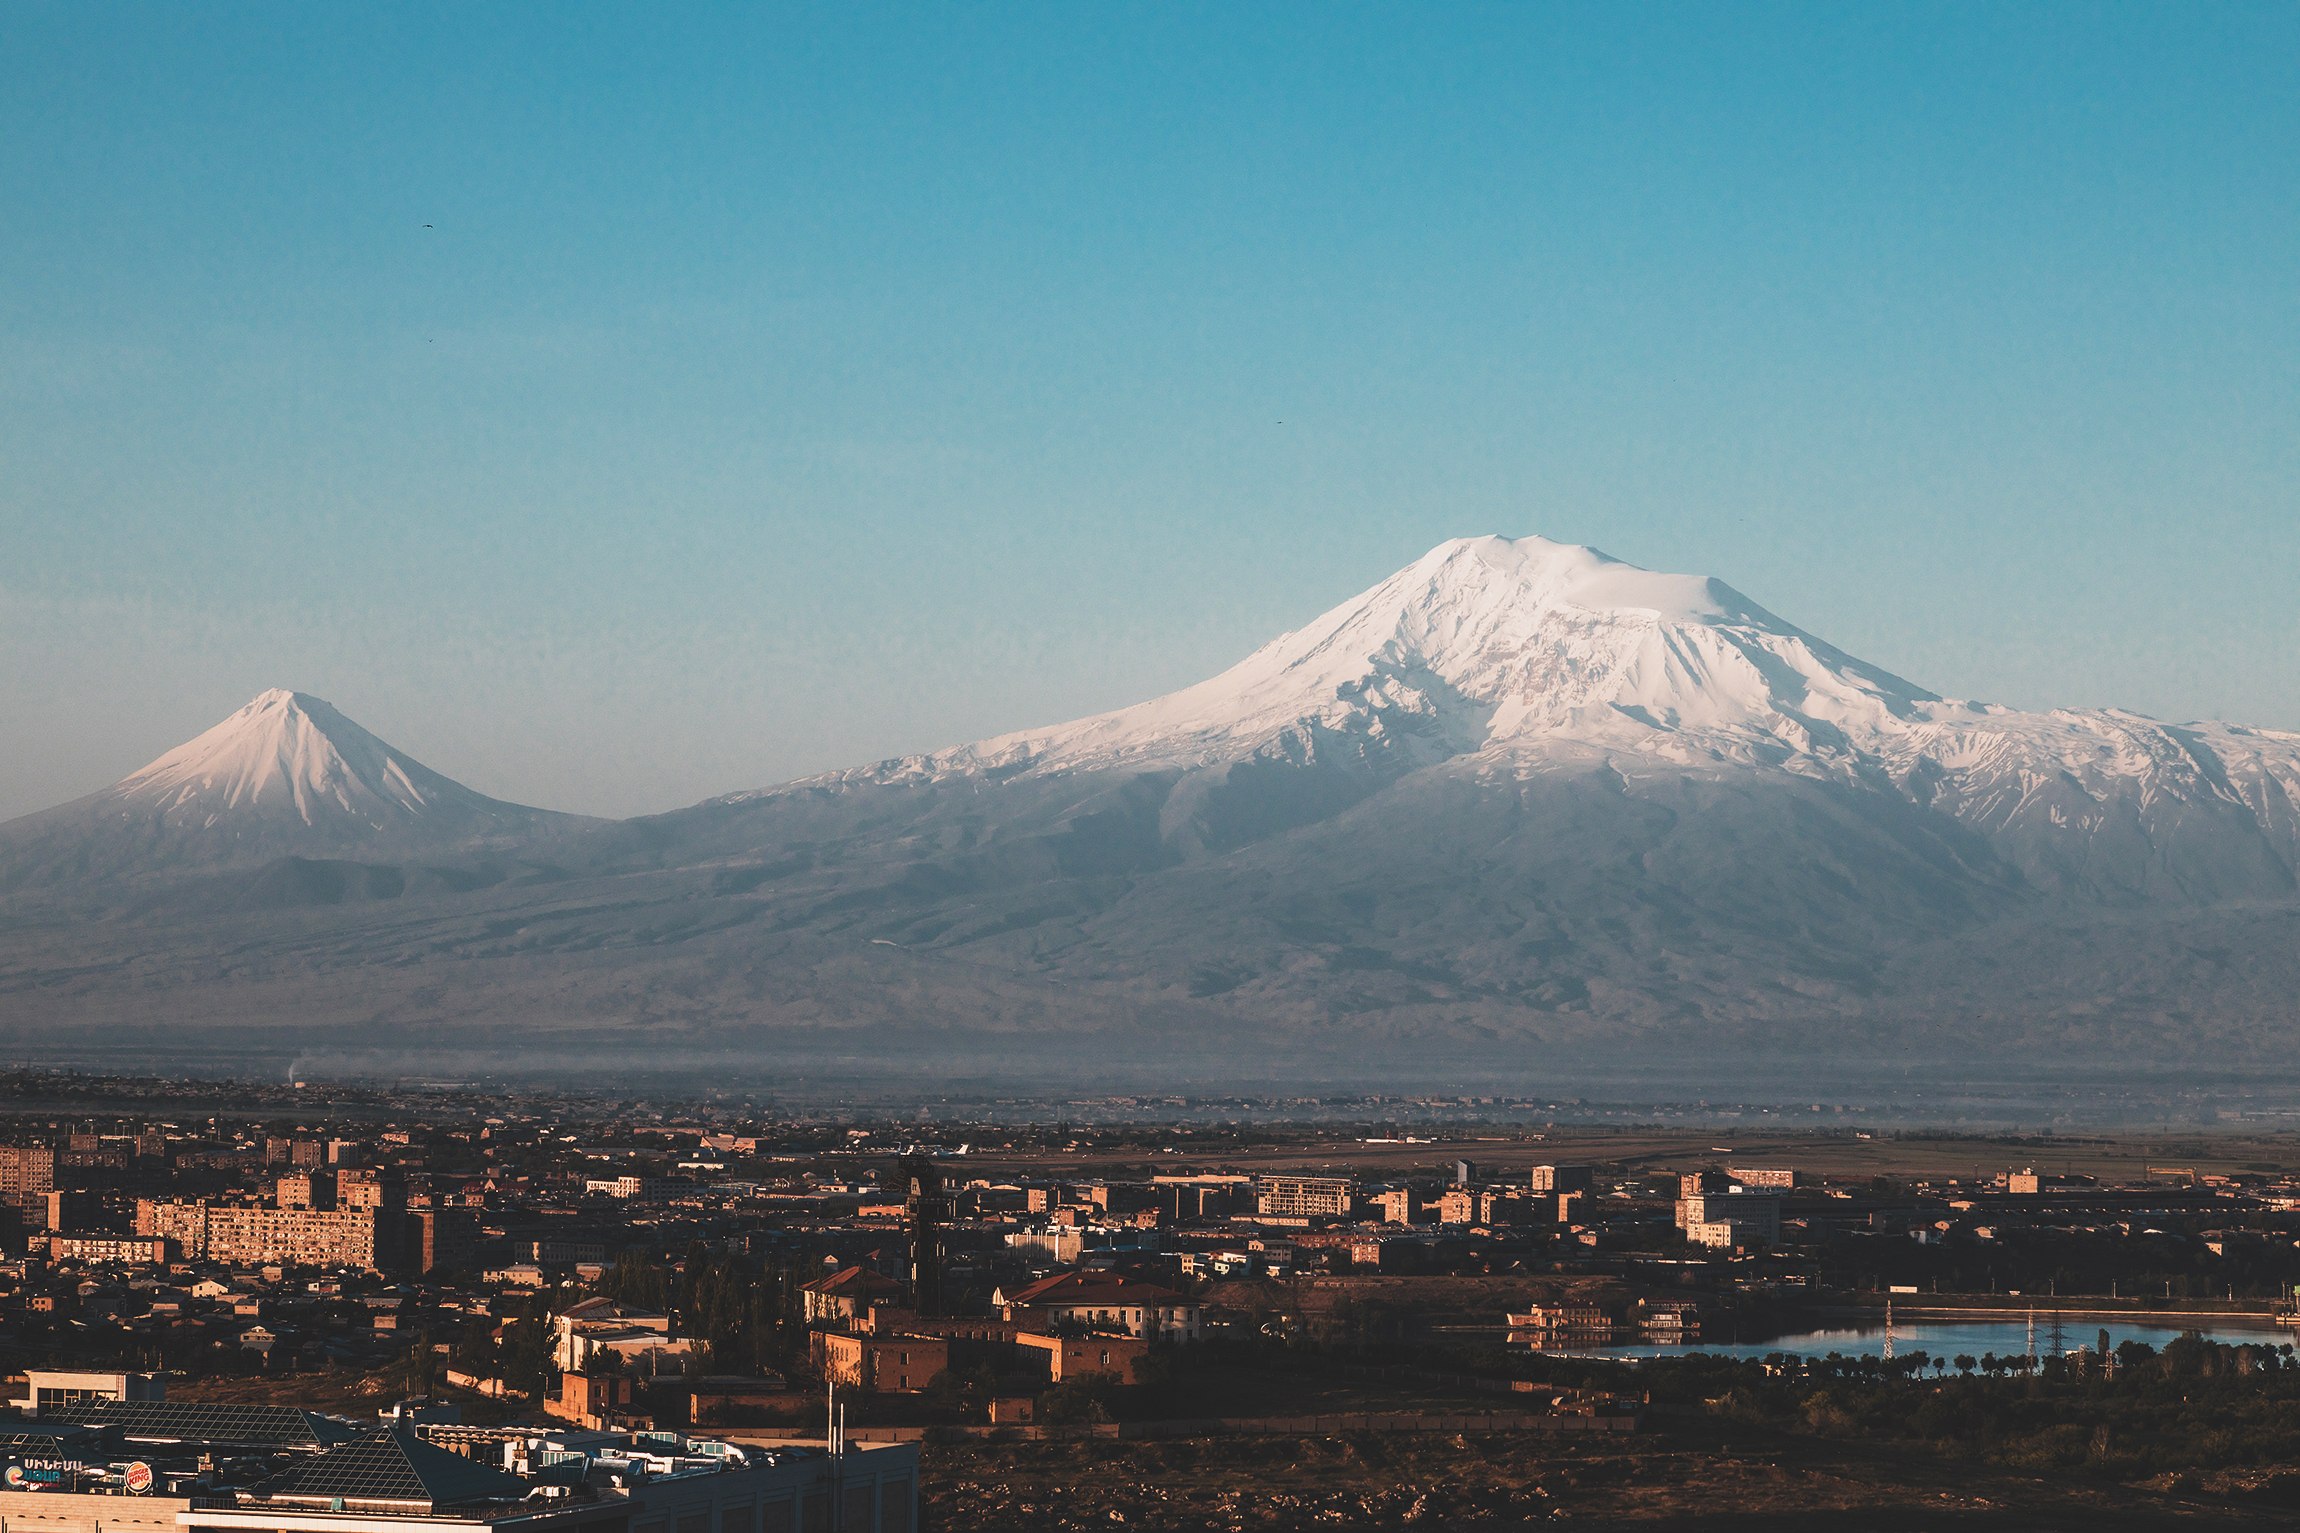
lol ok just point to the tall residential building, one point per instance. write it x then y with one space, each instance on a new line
63 1209
370 1187
443 1239
303 1189
27 1176
1562 1178
1748 1213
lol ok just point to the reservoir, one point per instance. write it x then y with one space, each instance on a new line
1952 1338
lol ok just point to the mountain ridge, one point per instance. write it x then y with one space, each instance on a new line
1576 661
1518 805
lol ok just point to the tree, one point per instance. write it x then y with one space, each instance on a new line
638 1280
420 1369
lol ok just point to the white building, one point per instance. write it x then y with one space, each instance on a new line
51 1388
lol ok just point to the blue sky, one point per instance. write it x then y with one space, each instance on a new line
618 405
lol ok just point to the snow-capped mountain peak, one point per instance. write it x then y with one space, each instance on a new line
1507 647
288 752
287 775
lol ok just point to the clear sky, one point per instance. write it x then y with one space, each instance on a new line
614 406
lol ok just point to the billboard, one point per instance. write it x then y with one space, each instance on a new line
34 1473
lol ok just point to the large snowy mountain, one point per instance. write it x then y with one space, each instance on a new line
1518 807
1507 659
285 776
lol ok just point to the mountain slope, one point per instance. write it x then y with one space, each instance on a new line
1532 657
285 776
1520 807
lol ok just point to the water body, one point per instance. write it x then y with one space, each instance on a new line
1951 1338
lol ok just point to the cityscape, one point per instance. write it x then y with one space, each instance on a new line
1149 768
231 1305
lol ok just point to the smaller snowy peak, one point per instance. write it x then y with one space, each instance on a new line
285 776
283 751
289 756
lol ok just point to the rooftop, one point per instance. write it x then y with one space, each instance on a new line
393 1470
191 1421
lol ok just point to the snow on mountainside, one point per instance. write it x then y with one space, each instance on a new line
1518 803
286 775
1528 656
1493 644
286 756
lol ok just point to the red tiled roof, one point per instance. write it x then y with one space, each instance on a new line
854 1280
1093 1288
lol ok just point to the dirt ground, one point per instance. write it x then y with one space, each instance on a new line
1271 1485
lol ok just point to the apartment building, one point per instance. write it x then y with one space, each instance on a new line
118 1250
1305 1196
1751 1214
27 1176
252 1234
1555 1179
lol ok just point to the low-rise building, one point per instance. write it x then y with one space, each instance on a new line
599 1401
1769 1178
1565 1323
1117 1358
49 1389
112 1250
117 1509
882 1364
848 1294
1102 1301
639 1340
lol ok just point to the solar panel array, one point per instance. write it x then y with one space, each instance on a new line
31 1439
391 1466
197 1421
